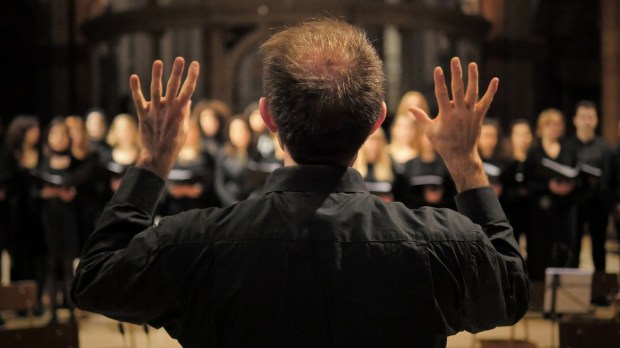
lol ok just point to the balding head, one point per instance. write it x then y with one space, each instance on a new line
324 85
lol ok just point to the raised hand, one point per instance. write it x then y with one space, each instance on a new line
455 131
164 119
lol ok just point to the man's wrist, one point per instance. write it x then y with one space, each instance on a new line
157 166
141 189
467 171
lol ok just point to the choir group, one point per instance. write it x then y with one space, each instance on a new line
54 183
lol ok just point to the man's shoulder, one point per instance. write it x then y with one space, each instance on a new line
355 218
426 224
446 225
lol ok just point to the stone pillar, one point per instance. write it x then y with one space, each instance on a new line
610 59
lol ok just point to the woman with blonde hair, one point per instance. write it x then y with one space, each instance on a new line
410 99
191 180
124 139
425 180
403 143
375 165
550 176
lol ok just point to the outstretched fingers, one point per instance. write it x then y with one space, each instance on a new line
458 89
441 91
174 82
471 97
190 83
136 94
156 85
483 105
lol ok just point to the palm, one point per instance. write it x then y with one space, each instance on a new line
164 119
455 130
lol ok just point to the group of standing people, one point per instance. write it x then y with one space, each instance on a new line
553 188
55 182
54 186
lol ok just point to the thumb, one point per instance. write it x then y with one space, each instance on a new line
420 115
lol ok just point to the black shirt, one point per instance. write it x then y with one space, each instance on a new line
594 157
316 261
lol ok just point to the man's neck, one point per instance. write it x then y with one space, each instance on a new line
289 161
585 137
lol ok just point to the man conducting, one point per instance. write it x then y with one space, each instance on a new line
316 261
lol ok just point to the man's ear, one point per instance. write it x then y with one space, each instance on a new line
380 119
266 115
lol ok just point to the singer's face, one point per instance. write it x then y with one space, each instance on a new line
58 138
488 137
586 119
209 123
553 129
240 135
521 136
32 136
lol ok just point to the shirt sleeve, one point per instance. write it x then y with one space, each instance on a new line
121 273
497 290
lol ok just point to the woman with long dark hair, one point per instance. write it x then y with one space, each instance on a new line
56 173
25 239
232 178
212 116
375 165
124 139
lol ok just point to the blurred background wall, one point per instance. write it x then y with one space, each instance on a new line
61 57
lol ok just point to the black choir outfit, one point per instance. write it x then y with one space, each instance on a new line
234 179
60 224
91 197
102 148
615 188
263 162
594 199
199 171
552 218
398 167
114 171
6 175
25 237
515 197
212 145
104 171
494 167
421 180
381 188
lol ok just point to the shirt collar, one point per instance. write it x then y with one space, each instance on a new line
315 178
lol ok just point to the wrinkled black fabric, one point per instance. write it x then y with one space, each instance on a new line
316 261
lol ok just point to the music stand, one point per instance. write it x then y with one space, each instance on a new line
567 291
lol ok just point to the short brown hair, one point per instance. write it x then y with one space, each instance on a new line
324 84
588 104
